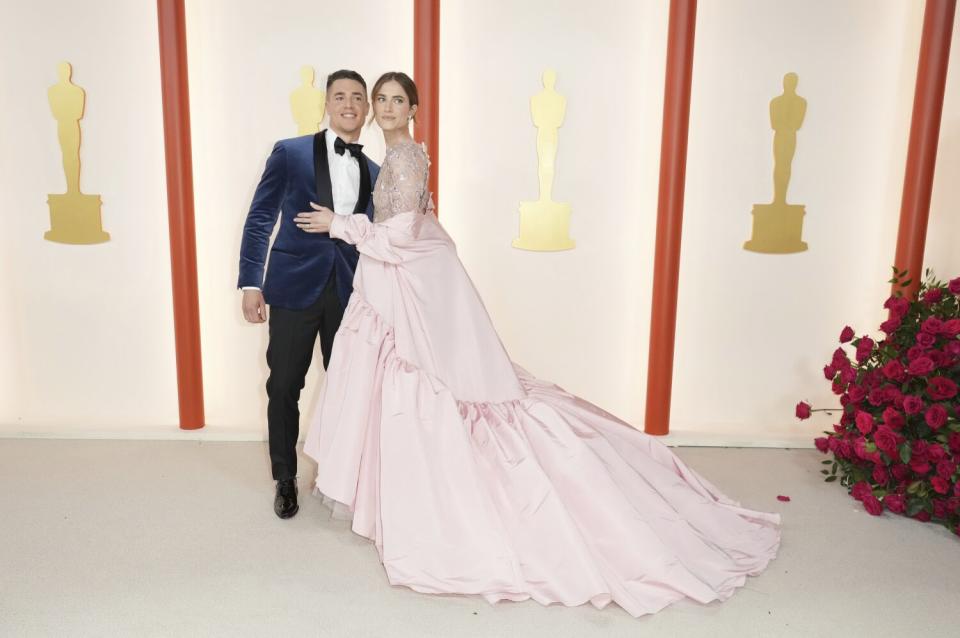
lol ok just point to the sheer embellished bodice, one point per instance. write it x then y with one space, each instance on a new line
402 184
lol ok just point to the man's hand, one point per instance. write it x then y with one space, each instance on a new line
315 221
254 308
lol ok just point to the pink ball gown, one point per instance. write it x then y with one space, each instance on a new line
473 477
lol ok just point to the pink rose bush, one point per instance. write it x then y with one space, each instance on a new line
897 444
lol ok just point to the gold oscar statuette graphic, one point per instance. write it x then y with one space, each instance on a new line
74 217
307 103
778 227
545 224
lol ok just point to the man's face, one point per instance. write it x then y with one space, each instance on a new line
347 106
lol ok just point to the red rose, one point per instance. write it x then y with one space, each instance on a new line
915 352
952 348
939 358
886 440
900 471
936 416
880 475
920 366
803 410
933 295
857 393
919 449
922 515
822 444
945 469
951 327
925 339
897 305
956 488
846 334
864 422
953 504
829 372
873 505
940 486
861 490
890 325
954 286
939 508
935 453
932 325
954 442
838 386
912 404
893 370
848 375
941 388
919 466
894 396
840 359
860 447
896 503
843 451
877 397
864 349
893 418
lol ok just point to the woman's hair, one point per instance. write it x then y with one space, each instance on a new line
405 83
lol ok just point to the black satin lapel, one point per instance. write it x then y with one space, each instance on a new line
321 169
363 197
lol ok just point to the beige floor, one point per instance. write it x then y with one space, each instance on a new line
150 538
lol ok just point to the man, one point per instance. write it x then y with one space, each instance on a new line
310 275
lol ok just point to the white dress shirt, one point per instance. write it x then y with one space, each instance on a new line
344 177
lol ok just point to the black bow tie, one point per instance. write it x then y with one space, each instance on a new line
340 146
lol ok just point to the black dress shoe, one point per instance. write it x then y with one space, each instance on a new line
285 504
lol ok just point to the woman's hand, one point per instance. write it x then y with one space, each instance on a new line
315 221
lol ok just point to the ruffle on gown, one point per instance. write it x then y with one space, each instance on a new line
545 496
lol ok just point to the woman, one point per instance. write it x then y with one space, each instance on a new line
470 475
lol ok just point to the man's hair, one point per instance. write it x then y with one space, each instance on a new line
346 74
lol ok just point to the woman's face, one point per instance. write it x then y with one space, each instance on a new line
391 107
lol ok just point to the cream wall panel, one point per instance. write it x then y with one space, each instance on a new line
87 333
754 331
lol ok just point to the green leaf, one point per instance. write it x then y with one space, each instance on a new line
906 283
830 479
824 471
905 451
913 487
914 507
827 462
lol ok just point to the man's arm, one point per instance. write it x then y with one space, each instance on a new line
261 219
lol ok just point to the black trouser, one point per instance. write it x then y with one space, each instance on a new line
293 334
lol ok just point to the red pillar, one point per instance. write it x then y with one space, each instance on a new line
183 249
666 262
426 73
924 135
